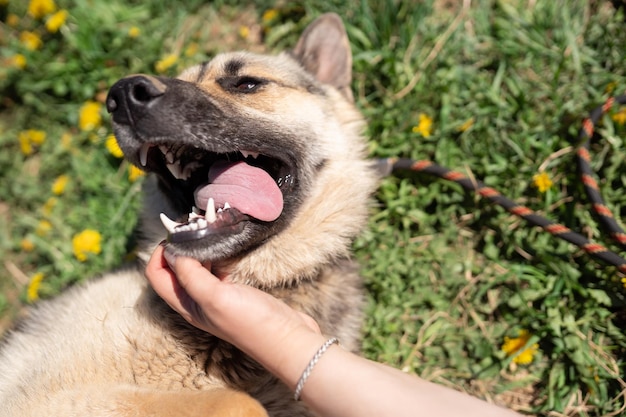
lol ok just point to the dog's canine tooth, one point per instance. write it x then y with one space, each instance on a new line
169 224
210 215
169 156
176 170
143 154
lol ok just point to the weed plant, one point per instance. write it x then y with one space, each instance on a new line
461 292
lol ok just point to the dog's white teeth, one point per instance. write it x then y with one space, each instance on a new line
176 170
246 154
169 224
143 154
190 168
210 215
169 156
193 215
226 207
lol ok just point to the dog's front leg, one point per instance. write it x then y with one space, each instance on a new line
128 401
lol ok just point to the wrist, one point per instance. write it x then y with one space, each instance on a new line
309 368
290 353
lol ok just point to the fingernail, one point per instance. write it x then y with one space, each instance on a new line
170 258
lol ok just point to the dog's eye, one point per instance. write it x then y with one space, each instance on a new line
241 84
247 84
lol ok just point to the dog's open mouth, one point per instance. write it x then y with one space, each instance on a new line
220 191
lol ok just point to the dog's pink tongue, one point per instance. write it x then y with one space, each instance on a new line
248 189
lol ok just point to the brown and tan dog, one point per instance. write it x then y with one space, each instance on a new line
258 165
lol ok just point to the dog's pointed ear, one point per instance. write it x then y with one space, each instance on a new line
324 51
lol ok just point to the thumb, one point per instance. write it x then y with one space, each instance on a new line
194 277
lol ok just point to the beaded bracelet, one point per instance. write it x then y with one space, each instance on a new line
311 365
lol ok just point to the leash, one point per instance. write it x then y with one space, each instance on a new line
606 218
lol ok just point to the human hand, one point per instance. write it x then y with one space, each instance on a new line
254 321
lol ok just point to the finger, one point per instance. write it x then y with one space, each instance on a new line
165 283
195 278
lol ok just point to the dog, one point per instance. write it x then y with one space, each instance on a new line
257 164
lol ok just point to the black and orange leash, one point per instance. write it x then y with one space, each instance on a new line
606 218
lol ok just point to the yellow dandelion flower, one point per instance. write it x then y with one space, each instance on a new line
466 125
424 125
37 136
191 49
624 282
25 146
13 20
54 22
18 61
513 346
66 140
269 16
47 207
542 181
32 292
85 242
89 117
43 228
620 117
134 32
113 147
30 40
244 32
41 8
135 173
28 138
27 245
166 63
58 187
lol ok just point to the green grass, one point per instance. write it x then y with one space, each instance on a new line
449 275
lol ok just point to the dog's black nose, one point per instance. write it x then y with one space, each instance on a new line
131 97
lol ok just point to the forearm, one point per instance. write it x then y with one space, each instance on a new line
345 385
365 388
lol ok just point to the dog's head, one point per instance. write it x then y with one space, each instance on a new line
248 148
